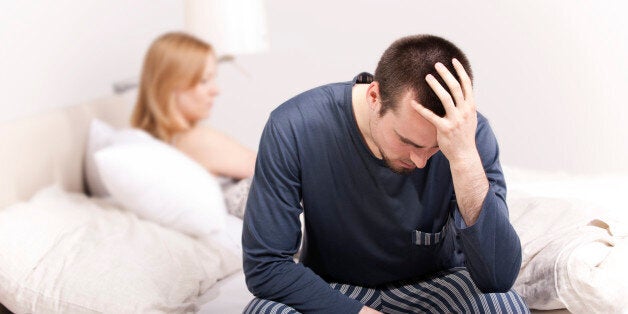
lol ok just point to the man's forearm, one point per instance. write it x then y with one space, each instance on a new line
470 185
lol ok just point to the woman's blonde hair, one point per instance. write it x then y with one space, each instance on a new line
174 61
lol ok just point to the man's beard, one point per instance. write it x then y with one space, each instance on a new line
397 170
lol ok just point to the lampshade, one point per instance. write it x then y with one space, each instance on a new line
233 27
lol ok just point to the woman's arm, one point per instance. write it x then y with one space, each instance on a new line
218 153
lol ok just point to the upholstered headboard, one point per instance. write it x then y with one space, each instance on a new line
48 148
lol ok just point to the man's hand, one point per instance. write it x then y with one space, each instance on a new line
455 134
368 310
455 131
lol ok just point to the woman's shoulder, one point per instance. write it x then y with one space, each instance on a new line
197 137
200 131
193 137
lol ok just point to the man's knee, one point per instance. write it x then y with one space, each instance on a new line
261 306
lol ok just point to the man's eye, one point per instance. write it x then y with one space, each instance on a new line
409 144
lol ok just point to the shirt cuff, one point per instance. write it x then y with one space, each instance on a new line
461 225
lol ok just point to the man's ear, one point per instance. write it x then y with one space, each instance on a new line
373 97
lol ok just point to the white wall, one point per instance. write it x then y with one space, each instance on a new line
63 52
549 74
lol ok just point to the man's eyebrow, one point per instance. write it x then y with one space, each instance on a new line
407 141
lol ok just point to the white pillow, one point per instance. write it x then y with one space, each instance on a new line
162 184
102 135
66 253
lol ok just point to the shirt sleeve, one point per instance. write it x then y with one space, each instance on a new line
491 245
272 231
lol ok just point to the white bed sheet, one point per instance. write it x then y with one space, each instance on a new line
228 295
604 192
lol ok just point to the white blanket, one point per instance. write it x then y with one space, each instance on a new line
65 253
575 248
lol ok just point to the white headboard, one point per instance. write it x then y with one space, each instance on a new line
48 148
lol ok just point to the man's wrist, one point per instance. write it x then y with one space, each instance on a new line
465 161
470 184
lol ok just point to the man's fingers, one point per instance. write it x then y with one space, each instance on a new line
442 94
464 80
427 114
452 83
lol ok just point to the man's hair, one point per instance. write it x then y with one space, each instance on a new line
406 63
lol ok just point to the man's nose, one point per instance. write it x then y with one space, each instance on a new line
419 158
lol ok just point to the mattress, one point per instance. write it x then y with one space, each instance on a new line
227 296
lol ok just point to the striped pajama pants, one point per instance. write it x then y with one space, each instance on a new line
450 291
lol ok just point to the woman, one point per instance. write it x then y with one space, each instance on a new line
177 90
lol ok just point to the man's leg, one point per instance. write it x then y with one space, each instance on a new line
451 291
259 306
367 296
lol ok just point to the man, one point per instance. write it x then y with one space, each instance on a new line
402 192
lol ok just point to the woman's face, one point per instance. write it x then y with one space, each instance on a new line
195 103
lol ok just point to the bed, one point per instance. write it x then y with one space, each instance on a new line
49 150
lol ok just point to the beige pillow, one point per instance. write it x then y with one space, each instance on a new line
66 253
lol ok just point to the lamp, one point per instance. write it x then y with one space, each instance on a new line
233 27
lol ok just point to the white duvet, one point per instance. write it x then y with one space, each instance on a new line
574 237
65 253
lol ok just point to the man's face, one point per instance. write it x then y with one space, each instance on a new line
404 138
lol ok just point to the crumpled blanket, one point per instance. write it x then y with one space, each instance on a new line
236 194
574 256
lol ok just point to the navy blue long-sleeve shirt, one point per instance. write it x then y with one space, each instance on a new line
364 224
